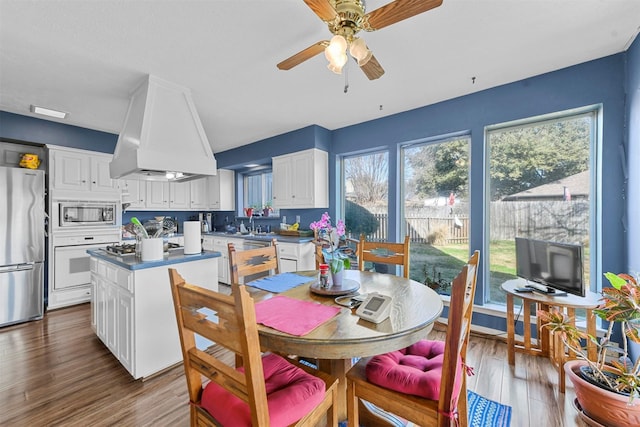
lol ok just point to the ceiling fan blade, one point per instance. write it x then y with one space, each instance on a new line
322 8
372 69
303 55
397 11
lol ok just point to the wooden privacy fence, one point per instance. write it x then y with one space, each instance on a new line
432 230
562 221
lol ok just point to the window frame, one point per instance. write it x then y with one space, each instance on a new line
595 176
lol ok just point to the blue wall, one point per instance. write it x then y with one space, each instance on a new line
599 82
31 129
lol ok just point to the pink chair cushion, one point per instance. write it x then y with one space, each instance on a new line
291 394
414 370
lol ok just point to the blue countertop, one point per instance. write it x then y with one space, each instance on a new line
131 262
262 237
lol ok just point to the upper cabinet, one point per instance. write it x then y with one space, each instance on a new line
134 192
80 170
222 190
168 195
199 193
301 180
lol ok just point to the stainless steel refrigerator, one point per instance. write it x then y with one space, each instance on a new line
21 245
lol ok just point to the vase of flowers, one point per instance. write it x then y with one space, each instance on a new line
330 238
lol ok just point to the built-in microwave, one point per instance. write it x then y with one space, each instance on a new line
76 214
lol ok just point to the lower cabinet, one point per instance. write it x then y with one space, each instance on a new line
133 315
296 256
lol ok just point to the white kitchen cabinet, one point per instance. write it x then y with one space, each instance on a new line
221 188
134 314
134 192
296 256
301 180
199 193
157 194
221 244
167 195
81 170
179 195
218 244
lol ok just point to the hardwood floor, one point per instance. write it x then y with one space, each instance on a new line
56 372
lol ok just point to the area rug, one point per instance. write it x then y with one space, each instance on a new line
482 413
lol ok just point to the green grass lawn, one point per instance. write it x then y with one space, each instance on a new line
443 262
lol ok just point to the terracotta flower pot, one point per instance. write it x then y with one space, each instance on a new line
602 406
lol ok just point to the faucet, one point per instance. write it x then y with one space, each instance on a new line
251 224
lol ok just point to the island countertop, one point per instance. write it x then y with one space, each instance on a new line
131 262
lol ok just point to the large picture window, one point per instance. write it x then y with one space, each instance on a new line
365 195
435 187
539 188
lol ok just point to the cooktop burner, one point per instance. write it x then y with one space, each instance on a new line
122 249
130 248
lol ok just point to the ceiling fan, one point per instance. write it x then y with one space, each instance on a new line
345 19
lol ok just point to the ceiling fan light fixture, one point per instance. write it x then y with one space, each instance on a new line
336 53
360 51
335 68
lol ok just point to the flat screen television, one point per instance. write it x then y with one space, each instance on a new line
551 265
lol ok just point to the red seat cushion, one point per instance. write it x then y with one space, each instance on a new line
414 370
291 394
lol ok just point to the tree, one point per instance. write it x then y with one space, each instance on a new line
358 220
528 156
368 176
439 169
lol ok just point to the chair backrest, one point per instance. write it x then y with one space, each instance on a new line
463 292
384 253
347 248
252 261
235 329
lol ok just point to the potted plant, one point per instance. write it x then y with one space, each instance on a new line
607 391
337 260
266 211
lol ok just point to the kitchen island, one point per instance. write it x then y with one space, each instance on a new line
132 309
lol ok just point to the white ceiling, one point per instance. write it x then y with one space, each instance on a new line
85 56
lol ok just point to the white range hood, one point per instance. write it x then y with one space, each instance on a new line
162 138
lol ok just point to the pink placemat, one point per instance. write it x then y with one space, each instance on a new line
293 316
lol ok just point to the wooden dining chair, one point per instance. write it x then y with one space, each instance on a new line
424 383
347 249
251 262
384 253
267 390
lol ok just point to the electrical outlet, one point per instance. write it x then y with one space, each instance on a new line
298 219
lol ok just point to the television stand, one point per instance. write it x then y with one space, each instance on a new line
538 341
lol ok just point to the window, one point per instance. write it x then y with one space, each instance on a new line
258 190
539 187
365 195
435 187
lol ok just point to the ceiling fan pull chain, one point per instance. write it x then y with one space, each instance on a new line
346 78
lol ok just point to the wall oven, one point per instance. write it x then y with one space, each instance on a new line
87 214
78 225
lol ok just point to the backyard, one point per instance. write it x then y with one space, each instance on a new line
436 266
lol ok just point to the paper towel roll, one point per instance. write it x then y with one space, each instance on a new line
192 239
